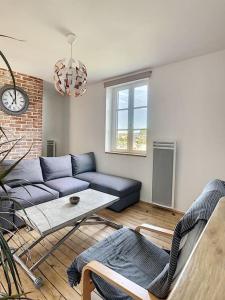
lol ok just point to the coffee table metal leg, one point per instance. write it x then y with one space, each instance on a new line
92 220
37 281
43 258
102 220
30 246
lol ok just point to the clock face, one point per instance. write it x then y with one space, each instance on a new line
11 104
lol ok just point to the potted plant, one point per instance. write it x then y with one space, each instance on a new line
7 263
9 276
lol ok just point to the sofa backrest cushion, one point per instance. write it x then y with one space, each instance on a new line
27 171
56 167
83 163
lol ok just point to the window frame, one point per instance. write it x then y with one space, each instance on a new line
131 109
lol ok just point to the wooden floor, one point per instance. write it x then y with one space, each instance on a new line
53 270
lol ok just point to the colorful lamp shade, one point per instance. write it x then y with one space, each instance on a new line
70 77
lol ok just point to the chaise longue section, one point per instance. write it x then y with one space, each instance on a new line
128 190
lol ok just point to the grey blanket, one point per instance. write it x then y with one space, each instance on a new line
136 258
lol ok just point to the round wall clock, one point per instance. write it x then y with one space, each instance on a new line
11 105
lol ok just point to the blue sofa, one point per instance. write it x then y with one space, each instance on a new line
48 178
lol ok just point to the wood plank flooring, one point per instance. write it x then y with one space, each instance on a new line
53 270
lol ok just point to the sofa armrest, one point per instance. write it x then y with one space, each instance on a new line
129 287
155 229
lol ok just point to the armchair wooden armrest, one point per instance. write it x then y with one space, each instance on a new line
129 287
155 229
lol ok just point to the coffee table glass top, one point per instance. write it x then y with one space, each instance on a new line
59 213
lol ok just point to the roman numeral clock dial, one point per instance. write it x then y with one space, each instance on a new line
13 105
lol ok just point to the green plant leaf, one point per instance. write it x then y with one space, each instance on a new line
10 71
9 150
9 265
8 141
3 133
6 172
6 257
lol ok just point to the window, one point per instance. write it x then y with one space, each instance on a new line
127 118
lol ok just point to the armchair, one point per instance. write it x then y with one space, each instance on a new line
127 266
132 289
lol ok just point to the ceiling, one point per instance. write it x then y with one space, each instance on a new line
114 36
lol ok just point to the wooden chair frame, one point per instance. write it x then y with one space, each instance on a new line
129 287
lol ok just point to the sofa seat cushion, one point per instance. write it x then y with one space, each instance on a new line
26 170
56 167
33 195
110 184
67 185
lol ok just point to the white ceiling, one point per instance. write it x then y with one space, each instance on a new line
114 36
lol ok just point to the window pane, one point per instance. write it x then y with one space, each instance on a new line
140 96
122 139
122 119
139 140
140 118
123 98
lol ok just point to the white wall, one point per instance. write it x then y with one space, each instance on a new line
187 104
87 133
55 119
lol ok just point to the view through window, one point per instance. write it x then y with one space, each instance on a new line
129 118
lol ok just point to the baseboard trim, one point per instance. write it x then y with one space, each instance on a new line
163 207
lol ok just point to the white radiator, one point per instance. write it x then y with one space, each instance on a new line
163 177
51 148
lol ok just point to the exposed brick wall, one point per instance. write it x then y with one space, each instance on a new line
28 125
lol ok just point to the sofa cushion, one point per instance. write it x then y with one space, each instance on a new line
67 185
83 163
114 185
27 169
33 195
56 167
2 192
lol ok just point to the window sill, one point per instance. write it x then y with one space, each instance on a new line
125 153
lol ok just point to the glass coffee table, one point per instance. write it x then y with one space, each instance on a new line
48 217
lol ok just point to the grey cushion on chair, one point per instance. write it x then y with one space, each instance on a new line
56 167
83 163
114 185
67 185
27 169
126 252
